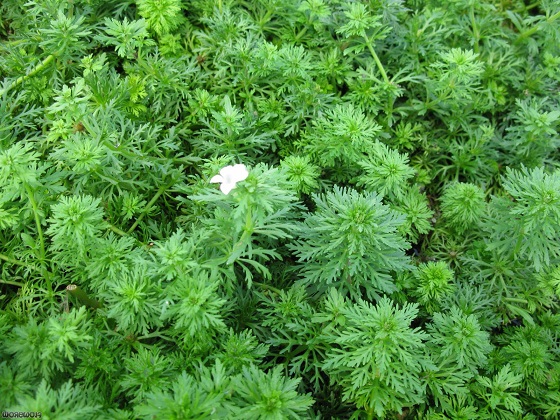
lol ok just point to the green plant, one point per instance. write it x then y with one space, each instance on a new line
378 357
351 241
434 282
462 205
280 209
533 218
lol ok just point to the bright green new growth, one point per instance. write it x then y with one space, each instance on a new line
414 205
499 394
527 225
462 206
351 241
194 306
253 394
244 225
458 340
434 283
134 301
162 16
386 171
67 401
77 221
341 137
268 396
186 399
50 346
302 173
146 371
379 357
127 37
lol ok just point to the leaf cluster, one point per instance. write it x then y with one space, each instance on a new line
392 253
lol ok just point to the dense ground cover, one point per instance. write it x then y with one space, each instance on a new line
280 209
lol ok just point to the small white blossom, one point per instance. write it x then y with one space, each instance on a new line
230 176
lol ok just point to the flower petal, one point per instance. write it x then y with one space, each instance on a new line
240 172
226 187
229 176
227 172
217 178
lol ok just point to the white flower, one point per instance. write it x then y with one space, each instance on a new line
230 176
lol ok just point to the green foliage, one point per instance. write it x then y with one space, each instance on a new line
297 337
302 173
13 385
259 395
534 136
133 300
253 394
188 398
146 371
386 171
51 345
459 340
193 306
414 205
533 217
77 221
378 357
280 209
63 403
127 37
498 393
161 16
241 350
341 137
64 36
351 241
434 283
462 205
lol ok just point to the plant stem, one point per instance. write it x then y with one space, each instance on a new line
22 264
41 66
267 286
300 34
160 191
15 43
247 232
123 233
13 283
475 30
83 297
31 196
152 335
518 300
532 6
377 61
44 271
11 260
532 30
117 230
